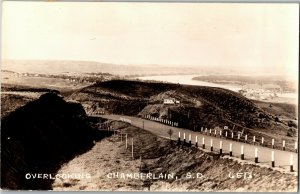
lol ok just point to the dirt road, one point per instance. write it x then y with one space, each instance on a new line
282 158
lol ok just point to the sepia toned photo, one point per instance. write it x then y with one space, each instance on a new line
149 96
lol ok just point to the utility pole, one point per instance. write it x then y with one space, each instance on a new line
132 148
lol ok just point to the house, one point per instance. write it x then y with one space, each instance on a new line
171 101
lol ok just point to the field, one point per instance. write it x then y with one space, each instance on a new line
15 79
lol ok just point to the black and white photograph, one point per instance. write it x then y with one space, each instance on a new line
149 96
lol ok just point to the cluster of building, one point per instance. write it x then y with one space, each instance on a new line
89 79
260 91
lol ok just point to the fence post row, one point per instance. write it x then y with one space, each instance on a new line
221 143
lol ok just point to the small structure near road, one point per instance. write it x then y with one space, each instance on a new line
171 101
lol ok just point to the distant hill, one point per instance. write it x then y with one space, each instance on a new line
80 67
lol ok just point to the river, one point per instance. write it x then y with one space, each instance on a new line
290 98
187 79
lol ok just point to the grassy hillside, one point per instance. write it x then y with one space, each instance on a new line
199 105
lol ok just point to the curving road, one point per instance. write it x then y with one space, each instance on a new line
282 158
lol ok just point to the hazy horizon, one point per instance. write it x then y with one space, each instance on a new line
253 38
60 66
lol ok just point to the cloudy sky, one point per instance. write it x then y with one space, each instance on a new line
245 36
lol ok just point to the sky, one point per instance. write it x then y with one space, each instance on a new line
264 37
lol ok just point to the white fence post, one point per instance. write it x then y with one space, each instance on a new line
256 155
211 145
296 147
230 149
273 158
221 144
196 144
292 163
283 145
242 152
203 142
273 142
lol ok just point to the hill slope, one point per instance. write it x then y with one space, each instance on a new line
199 105
38 137
160 155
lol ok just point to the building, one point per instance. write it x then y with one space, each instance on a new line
171 101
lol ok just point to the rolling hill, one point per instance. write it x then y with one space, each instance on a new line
199 105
